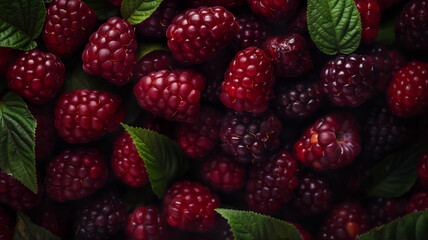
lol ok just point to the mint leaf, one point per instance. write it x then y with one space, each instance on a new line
163 157
396 174
253 226
104 9
17 140
136 11
145 48
412 226
21 21
334 25
26 230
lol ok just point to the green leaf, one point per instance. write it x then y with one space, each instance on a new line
17 140
145 48
412 227
253 226
79 79
386 35
136 11
163 157
334 25
104 9
26 230
396 174
21 21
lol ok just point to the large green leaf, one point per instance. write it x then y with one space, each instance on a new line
334 25
136 11
26 230
17 140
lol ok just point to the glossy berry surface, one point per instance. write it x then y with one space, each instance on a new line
418 202
158 22
152 62
423 169
313 195
17 196
252 32
274 10
370 17
146 223
213 3
411 29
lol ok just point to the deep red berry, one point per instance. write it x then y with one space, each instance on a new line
248 82
213 3
171 94
423 169
197 34
303 233
333 141
158 22
345 222
222 173
370 17
190 206
289 55
397 60
50 216
45 130
7 224
313 195
75 174
67 26
17 196
407 94
418 202
36 76
250 137
146 223
100 218
411 30
252 32
126 162
274 10
111 51
383 67
385 210
5 57
116 3
152 62
85 115
348 80
271 183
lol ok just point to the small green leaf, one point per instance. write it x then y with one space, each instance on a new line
413 227
21 21
334 25
104 9
253 226
386 35
77 78
163 157
136 11
26 230
145 48
396 174
17 140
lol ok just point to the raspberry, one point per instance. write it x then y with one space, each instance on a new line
171 94
274 11
397 60
101 218
146 223
248 82
289 55
75 174
126 162
36 76
271 183
16 195
190 206
313 195
385 210
199 138
111 51
5 57
7 224
158 22
303 233
333 141
370 17
50 216
383 67
116 3
348 80
345 222
250 137
67 26
213 3
196 35
252 32
407 94
423 169
222 173
86 115
418 202
411 30
152 62
45 131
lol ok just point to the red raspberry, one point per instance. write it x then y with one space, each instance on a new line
274 10
45 131
222 173
146 223
397 59
86 115
370 18
333 141
75 174
407 94
423 169
126 162
411 30
303 233
385 210
171 94
348 80
111 51
5 57
36 76
345 222
190 206
289 55
50 216
67 26
196 35
116 3
418 202
152 62
158 22
252 32
313 195
16 195
248 82
7 224
271 183
213 3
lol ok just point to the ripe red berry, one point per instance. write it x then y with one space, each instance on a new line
248 82
273 10
7 224
152 62
370 17
418 202
423 169
36 76
146 223
111 51
313 195
159 20
411 30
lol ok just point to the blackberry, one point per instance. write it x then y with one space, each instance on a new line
252 31
313 195
383 67
274 11
411 29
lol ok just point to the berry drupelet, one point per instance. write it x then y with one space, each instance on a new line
146 223
313 195
385 210
152 62
17 196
